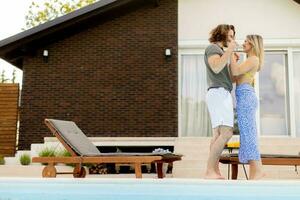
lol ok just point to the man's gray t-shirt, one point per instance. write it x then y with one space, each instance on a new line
222 79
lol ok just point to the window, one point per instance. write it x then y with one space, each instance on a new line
273 95
277 87
194 116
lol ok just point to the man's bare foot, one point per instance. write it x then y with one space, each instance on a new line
213 176
258 176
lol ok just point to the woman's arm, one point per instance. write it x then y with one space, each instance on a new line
244 67
234 78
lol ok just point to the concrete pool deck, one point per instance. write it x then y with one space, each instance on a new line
35 171
192 166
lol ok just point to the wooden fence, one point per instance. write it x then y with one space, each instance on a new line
9 98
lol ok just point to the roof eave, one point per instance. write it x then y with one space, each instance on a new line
13 48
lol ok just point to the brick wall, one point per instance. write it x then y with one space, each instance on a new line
111 79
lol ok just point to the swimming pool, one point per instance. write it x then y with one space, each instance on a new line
145 189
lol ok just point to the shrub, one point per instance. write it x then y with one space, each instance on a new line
25 159
2 161
47 152
65 153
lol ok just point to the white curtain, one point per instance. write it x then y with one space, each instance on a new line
194 116
273 95
296 63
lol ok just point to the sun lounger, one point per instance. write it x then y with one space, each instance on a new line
83 151
267 159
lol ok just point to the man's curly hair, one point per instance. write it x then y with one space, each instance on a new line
219 34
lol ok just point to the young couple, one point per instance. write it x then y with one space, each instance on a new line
220 75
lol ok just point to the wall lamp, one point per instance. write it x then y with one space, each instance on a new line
168 53
45 55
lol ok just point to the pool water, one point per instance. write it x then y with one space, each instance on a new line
146 189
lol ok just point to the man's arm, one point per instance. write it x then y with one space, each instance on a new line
217 62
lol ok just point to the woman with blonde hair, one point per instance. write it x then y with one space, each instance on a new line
246 104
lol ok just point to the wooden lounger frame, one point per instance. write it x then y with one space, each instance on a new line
267 159
80 172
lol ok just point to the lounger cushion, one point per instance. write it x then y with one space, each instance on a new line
74 137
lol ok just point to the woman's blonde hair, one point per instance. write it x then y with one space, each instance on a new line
257 47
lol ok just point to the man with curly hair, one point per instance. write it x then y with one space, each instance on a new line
218 97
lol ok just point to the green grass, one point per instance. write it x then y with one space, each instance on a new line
47 152
50 152
25 159
65 153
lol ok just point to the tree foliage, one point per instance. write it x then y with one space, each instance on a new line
41 12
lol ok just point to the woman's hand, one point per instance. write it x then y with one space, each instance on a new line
235 57
232 45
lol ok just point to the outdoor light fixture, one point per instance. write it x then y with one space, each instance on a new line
168 53
45 55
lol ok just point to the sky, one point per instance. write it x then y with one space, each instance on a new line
12 20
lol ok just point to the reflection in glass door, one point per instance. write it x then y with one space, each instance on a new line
273 95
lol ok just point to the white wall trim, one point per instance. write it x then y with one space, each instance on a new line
268 43
291 94
179 125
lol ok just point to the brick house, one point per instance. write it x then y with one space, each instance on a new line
107 71
102 66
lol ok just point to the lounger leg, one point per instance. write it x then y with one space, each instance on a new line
228 171
234 171
138 170
245 171
159 168
79 171
49 171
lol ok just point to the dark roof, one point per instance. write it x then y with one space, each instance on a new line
12 49
298 1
